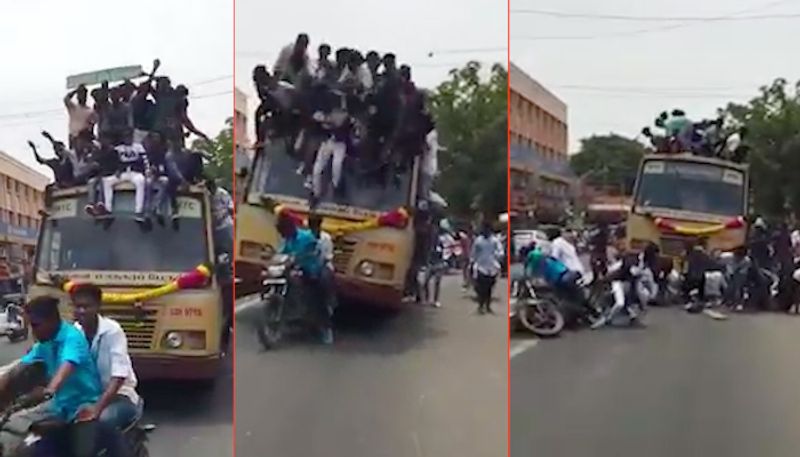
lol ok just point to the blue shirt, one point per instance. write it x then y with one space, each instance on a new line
552 270
83 386
303 247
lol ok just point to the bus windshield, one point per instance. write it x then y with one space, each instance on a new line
275 172
693 187
72 240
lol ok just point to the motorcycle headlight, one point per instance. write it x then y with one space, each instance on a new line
275 271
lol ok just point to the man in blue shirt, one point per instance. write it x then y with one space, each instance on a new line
74 383
559 277
302 246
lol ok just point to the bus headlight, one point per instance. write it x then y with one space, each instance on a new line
366 268
173 340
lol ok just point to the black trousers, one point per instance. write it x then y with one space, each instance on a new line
484 286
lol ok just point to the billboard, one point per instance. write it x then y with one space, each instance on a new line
95 78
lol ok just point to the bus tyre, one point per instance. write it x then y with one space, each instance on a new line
269 327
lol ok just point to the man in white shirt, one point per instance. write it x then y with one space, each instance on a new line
119 405
430 164
563 249
222 211
81 116
325 251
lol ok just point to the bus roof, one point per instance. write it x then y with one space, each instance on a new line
688 157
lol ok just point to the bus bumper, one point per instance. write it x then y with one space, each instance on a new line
378 295
177 368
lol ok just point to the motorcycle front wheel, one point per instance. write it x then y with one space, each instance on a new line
269 327
543 318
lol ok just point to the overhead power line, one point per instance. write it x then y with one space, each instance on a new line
645 31
619 17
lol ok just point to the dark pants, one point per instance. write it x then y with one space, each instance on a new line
484 286
318 298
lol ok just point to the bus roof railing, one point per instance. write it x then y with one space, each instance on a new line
82 189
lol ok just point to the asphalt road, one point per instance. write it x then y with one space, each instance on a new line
423 382
685 386
191 420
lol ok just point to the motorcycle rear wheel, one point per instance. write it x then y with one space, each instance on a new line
269 327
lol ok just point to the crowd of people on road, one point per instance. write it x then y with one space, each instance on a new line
345 109
675 133
131 133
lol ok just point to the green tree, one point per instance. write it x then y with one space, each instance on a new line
609 160
220 154
470 113
772 120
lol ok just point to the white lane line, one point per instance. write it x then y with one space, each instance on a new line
518 348
246 302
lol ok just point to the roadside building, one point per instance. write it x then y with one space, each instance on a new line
21 200
243 146
541 179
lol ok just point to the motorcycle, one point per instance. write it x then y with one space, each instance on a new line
12 323
539 314
282 299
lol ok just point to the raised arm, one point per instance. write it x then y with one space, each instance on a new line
35 152
68 98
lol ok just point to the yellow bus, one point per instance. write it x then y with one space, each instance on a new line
174 336
681 198
371 265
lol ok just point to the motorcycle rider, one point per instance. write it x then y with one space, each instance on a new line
563 249
74 384
632 279
325 246
119 405
302 246
565 281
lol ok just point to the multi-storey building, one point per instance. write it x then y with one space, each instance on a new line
541 179
21 200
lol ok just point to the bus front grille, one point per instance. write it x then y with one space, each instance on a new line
342 253
139 325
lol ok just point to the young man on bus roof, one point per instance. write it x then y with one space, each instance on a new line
81 116
62 165
120 404
322 68
132 166
119 116
183 113
292 60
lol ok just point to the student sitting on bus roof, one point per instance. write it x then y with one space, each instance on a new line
62 165
163 179
132 165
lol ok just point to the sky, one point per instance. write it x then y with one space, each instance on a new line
42 42
455 31
620 83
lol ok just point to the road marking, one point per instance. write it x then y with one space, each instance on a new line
247 302
518 348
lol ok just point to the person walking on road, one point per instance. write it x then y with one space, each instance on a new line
486 255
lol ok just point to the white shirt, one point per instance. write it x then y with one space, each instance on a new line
222 208
362 75
430 157
326 248
565 252
486 252
110 352
80 117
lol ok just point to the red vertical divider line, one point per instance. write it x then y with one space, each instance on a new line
232 342
508 227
